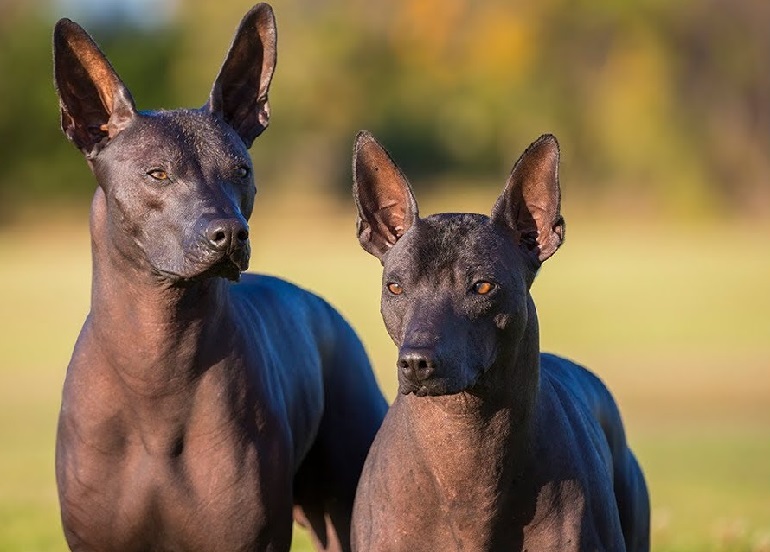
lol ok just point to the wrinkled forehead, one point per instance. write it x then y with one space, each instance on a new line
449 243
180 134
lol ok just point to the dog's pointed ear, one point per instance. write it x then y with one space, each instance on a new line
386 204
239 94
529 206
95 104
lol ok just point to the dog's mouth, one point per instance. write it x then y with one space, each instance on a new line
441 386
419 390
225 264
433 387
228 265
227 268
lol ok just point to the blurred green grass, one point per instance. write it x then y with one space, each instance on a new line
673 316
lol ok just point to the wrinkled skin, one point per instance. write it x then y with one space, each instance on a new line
489 446
201 410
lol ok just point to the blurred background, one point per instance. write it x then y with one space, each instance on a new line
662 110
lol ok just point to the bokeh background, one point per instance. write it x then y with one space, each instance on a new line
663 286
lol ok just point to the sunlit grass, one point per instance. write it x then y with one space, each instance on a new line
675 320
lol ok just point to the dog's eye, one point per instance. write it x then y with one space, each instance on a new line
395 289
483 287
242 171
158 174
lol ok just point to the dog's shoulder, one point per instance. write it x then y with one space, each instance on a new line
576 380
580 433
265 283
263 289
284 302
574 403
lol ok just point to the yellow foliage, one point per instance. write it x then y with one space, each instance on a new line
422 32
501 43
456 40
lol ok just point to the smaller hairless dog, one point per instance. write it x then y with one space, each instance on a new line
490 445
198 413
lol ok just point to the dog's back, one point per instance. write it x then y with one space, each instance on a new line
591 423
317 370
322 361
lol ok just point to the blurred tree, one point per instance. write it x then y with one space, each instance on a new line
37 164
722 51
660 106
28 114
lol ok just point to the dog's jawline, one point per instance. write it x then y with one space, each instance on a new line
220 269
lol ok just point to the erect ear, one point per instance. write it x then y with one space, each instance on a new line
95 104
529 205
386 205
239 95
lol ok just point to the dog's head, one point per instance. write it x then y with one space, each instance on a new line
455 292
176 187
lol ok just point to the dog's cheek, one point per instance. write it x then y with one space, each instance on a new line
247 203
488 353
502 321
394 323
514 316
162 247
474 352
127 235
159 256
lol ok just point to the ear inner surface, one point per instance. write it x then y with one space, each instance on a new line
95 104
240 92
386 205
529 206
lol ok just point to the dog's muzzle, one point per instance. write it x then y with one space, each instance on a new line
228 242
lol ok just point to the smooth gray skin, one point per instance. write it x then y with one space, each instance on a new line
198 414
489 446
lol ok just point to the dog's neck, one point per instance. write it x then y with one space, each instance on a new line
167 327
477 445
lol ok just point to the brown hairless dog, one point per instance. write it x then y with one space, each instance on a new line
198 413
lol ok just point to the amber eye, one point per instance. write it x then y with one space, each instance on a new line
483 288
242 171
395 289
158 174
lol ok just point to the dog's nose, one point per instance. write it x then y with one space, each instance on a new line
417 364
227 234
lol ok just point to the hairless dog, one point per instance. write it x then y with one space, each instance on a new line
198 413
490 445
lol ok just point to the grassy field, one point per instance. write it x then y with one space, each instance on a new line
675 318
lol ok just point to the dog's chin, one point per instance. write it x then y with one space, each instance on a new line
434 387
229 267
223 269
439 387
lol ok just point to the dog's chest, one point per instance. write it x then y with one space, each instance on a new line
220 483
216 496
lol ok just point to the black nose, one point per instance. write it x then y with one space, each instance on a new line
417 364
227 234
